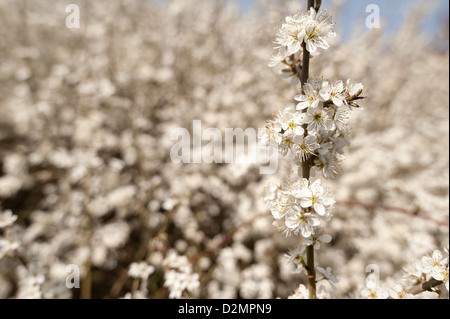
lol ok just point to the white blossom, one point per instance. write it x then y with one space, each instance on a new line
140 270
312 28
7 218
315 196
334 92
300 293
311 98
373 290
319 118
299 208
399 292
318 28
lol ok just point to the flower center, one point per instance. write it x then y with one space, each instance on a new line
292 125
318 117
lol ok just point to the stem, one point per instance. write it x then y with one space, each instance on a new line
415 213
86 284
427 286
318 4
306 170
311 271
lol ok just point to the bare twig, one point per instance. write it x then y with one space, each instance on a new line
227 238
414 213
426 286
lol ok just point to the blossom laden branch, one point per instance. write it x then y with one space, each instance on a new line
314 133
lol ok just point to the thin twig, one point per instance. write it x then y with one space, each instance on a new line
227 238
426 286
306 170
414 213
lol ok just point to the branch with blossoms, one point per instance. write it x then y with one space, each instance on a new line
430 274
314 134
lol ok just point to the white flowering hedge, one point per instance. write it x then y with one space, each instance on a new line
86 177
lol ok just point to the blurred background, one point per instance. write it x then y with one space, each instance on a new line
86 117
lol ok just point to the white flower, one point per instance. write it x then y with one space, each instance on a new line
179 276
329 165
299 209
282 132
174 281
7 218
266 139
7 245
311 98
304 147
300 293
271 136
437 267
398 292
372 290
319 118
339 143
289 38
312 28
328 274
275 60
433 262
324 293
141 270
315 197
293 124
181 263
325 148
317 29
294 256
354 89
333 92
319 238
35 275
341 117
192 282
270 193
302 223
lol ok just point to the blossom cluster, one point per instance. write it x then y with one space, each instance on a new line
322 112
314 134
179 277
34 280
300 208
140 271
433 266
313 28
436 267
429 267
